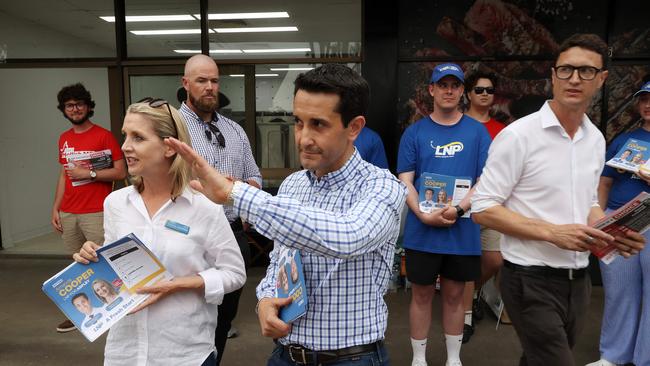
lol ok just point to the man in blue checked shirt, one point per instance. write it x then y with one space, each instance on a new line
341 212
224 144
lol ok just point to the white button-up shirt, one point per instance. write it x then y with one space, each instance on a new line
178 329
535 169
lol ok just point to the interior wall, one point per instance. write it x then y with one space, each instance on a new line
30 125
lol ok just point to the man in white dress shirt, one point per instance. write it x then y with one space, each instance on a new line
539 189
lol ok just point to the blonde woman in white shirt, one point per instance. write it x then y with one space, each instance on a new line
175 325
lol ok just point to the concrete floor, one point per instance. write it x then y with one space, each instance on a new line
28 335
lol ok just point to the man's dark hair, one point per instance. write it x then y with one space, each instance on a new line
352 88
588 41
472 79
81 294
77 92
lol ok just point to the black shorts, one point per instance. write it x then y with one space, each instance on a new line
422 268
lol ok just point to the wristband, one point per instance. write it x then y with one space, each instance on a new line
459 210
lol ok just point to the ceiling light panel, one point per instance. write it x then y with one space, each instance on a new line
226 16
152 18
255 29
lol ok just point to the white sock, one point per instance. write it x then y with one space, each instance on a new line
419 348
468 317
453 343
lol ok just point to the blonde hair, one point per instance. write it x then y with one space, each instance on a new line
163 127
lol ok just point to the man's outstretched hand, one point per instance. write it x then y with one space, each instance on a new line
206 179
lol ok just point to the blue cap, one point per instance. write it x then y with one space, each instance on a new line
443 70
644 89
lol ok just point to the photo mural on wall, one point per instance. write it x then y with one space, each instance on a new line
517 41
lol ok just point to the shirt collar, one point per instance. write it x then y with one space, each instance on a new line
189 111
337 178
187 195
549 119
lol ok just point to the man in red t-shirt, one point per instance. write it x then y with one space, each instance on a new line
91 160
480 90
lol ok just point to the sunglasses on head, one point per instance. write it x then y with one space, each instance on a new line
156 103
481 89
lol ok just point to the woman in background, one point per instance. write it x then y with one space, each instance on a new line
625 332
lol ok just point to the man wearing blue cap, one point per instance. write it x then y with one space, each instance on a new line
441 242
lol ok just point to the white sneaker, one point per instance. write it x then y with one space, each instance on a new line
601 362
453 363
418 362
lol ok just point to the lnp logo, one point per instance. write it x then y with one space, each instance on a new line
447 151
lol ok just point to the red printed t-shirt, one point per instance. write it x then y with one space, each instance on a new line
494 127
88 197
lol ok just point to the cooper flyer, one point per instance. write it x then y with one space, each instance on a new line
97 295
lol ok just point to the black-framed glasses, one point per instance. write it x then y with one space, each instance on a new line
159 102
481 89
213 130
565 72
71 106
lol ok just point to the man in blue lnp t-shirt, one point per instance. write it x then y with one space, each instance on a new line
371 148
441 242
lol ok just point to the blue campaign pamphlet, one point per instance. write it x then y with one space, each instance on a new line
633 156
97 295
438 190
291 283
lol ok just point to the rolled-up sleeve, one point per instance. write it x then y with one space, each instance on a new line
502 171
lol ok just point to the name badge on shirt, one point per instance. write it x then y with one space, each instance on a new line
177 226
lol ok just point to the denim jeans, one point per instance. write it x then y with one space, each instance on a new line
377 358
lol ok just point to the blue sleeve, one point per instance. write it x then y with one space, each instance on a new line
366 225
378 155
407 154
616 145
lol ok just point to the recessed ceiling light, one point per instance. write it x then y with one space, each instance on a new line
268 15
211 51
225 51
157 32
279 50
256 29
187 51
291 68
257 75
151 18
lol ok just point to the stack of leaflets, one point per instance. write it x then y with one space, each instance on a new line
633 216
94 160
438 191
291 283
633 156
97 295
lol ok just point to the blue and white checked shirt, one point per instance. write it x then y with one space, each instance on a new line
234 160
346 223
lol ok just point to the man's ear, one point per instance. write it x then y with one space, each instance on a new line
355 126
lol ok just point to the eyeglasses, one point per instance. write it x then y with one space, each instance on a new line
565 72
481 89
71 106
213 130
158 102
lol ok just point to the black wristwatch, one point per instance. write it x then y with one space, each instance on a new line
459 210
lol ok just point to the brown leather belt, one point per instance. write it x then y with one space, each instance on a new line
304 356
